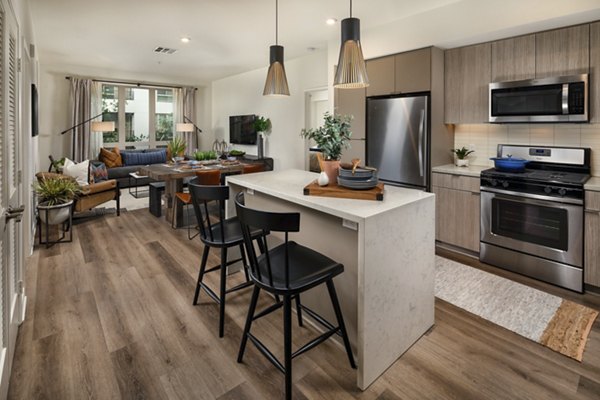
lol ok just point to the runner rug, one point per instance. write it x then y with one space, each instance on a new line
556 323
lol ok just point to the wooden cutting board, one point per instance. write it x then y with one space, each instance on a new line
333 190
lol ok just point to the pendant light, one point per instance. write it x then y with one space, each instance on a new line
276 83
351 71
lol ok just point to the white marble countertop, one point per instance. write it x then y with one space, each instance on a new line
289 185
593 184
471 170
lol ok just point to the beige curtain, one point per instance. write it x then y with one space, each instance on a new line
184 106
81 107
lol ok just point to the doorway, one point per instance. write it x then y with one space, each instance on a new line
316 104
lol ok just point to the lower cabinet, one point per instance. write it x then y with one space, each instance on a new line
457 211
591 268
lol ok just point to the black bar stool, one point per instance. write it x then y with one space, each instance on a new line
286 270
223 234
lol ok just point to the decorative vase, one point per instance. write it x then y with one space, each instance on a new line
462 163
331 167
323 179
261 145
56 214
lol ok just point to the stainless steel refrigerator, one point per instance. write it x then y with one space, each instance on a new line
398 139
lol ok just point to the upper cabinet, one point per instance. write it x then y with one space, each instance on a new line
408 72
595 72
413 71
563 51
513 59
467 76
381 76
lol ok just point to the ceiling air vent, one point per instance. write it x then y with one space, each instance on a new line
164 50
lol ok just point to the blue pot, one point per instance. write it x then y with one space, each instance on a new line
509 164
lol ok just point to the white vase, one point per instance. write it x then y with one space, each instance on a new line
56 214
462 163
323 179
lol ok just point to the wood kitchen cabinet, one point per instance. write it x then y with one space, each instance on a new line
513 59
408 72
563 51
591 267
595 72
467 78
457 203
381 73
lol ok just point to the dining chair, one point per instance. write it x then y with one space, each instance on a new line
204 177
286 270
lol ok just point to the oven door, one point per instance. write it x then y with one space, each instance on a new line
543 228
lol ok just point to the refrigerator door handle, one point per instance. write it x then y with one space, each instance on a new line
421 133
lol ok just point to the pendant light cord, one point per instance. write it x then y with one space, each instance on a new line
276 22
350 8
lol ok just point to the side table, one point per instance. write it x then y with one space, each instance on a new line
134 177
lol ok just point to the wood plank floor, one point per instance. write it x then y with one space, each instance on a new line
109 316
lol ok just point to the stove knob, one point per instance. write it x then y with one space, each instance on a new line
505 184
562 191
548 189
494 182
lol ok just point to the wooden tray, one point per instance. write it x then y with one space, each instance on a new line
333 190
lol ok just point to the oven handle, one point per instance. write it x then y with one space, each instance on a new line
533 196
565 98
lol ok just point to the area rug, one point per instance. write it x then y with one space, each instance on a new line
558 324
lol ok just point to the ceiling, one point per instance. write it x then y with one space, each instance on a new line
228 36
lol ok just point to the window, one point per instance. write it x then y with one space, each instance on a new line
143 116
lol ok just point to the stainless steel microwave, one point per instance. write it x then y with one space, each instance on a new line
557 99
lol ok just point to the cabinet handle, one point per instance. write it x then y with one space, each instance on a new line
475 193
595 212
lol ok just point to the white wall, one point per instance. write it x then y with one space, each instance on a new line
242 94
54 104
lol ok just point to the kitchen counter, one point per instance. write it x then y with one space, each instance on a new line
593 184
471 170
388 251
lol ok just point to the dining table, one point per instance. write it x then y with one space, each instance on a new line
173 174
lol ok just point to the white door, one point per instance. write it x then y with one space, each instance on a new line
11 208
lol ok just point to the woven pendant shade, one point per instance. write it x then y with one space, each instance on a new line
276 83
351 72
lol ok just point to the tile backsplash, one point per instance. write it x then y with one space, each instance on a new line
485 138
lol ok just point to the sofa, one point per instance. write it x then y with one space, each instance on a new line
132 160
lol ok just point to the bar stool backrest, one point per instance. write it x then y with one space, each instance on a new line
252 220
201 196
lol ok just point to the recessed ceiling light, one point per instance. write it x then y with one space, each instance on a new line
185 40
331 21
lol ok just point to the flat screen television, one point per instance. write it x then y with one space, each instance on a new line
241 129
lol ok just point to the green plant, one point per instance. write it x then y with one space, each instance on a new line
53 191
205 155
235 152
462 153
332 138
176 146
262 124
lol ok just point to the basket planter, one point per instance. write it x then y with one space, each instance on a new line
54 215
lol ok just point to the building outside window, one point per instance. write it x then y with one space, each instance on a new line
143 116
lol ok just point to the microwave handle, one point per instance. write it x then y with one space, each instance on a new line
565 98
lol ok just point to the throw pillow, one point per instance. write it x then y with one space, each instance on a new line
98 172
79 171
110 158
144 158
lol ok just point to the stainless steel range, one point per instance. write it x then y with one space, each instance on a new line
532 221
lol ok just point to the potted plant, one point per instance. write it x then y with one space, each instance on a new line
262 126
176 148
331 138
56 197
461 156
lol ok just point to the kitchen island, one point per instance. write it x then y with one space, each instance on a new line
388 251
